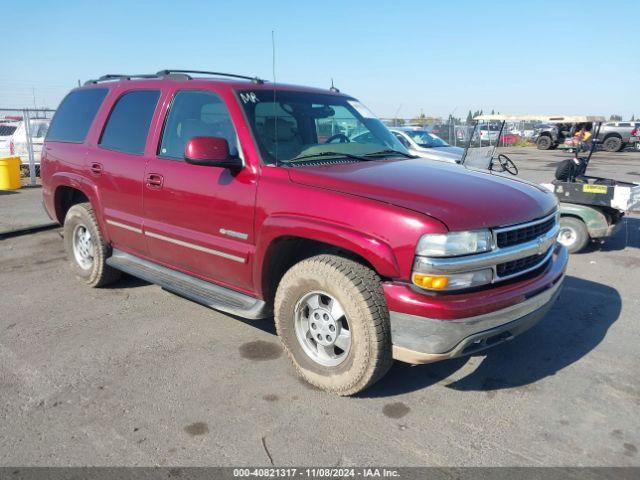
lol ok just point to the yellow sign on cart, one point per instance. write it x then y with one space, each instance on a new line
594 188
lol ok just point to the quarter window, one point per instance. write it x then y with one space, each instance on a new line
75 115
196 113
128 124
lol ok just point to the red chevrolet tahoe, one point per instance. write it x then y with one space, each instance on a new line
270 200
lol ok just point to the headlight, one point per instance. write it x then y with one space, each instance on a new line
454 243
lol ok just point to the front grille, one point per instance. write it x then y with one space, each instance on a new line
524 234
516 266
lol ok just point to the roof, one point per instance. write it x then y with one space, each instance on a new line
543 118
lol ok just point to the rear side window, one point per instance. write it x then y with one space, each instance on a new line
7 130
128 124
75 115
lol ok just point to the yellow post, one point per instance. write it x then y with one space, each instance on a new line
10 173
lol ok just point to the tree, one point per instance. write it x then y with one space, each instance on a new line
492 112
615 118
469 117
633 117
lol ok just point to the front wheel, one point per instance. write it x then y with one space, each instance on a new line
573 234
333 321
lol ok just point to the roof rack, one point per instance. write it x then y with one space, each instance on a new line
164 73
174 74
111 76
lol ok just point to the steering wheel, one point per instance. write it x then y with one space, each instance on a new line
338 136
506 165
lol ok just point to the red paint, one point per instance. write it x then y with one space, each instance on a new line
206 148
377 210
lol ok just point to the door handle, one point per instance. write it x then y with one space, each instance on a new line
96 168
154 180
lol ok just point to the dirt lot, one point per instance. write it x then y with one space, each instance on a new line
133 375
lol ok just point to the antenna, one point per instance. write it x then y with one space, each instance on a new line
333 89
275 108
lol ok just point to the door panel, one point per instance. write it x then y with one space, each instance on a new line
120 185
118 166
199 219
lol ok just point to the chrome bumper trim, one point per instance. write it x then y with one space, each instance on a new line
423 339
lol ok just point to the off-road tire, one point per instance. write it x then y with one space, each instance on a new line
579 232
99 274
359 291
612 144
544 142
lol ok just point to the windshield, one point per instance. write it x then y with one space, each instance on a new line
300 126
426 139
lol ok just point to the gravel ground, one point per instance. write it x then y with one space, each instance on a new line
134 375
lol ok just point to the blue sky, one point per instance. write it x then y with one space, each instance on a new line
439 57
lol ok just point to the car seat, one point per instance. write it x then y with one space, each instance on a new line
281 135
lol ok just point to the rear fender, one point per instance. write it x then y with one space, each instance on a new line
87 187
594 219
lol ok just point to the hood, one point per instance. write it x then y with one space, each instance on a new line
448 154
463 199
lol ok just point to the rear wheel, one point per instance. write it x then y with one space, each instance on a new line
612 144
573 234
333 320
85 247
544 143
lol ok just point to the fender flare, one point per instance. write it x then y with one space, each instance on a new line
375 251
87 187
593 218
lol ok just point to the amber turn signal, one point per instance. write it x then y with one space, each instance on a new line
432 282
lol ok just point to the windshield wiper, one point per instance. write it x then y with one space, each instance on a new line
326 154
390 151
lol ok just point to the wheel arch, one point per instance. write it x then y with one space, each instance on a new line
279 250
71 189
595 220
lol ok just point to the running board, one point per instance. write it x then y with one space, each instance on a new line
205 293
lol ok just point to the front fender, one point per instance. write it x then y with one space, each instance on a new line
378 253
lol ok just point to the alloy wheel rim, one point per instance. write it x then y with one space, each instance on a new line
322 328
83 247
566 236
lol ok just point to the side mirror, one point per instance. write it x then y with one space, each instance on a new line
210 151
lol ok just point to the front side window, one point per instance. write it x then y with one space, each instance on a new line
292 127
196 113
128 124
75 115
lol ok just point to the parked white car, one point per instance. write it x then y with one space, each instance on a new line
7 129
18 141
488 134
423 144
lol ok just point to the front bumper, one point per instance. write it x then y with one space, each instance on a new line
418 339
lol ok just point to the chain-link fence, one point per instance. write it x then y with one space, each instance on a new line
22 132
459 134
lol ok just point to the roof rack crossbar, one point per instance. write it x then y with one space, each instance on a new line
166 72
